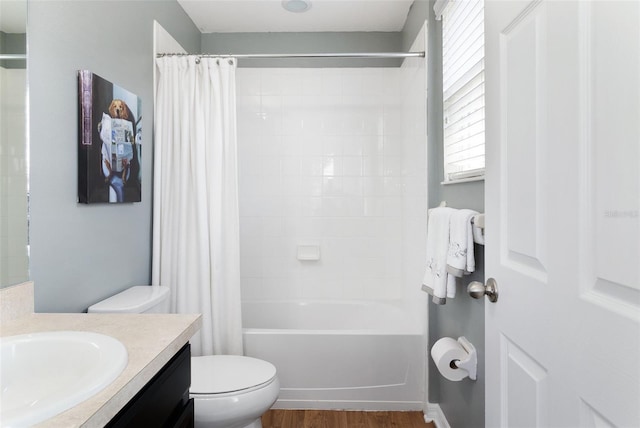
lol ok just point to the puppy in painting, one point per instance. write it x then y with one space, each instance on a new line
118 109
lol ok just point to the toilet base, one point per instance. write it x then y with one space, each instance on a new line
237 409
255 424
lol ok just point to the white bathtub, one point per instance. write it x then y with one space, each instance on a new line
339 355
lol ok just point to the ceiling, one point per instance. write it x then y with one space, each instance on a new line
257 16
13 16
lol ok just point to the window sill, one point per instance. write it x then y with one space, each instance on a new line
463 180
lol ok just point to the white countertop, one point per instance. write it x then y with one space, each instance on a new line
151 341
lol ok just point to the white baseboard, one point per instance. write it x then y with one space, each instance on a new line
397 406
436 415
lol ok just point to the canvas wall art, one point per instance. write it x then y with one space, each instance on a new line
109 143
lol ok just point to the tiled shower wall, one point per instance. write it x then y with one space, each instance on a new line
413 78
321 163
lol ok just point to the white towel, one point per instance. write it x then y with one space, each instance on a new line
436 281
460 257
478 235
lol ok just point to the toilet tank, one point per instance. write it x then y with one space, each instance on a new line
134 300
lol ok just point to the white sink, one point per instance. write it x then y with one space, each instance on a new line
43 374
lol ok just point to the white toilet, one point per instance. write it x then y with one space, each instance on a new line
229 391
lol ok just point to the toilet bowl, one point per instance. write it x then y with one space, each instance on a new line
229 391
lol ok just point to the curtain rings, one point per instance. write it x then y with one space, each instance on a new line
229 60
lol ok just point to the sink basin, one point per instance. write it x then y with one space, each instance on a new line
43 374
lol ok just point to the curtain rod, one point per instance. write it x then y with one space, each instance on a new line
12 56
307 55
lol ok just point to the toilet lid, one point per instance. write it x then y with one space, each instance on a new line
134 300
217 374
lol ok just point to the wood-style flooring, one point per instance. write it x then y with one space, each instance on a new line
342 419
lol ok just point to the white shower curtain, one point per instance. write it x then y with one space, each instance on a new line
195 207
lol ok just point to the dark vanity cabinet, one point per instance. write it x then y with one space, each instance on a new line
164 401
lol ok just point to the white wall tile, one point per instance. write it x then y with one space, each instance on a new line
374 82
311 186
392 120
248 81
271 185
251 287
373 166
332 186
311 82
323 156
271 226
352 186
307 228
392 166
374 186
311 206
311 144
312 166
392 186
270 82
392 207
291 145
291 82
373 206
332 166
331 82
292 121
352 82
251 261
352 146
332 145
372 145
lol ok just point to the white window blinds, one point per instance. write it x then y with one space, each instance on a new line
463 89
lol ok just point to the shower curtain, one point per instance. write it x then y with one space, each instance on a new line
195 207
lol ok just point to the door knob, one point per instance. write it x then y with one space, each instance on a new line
477 289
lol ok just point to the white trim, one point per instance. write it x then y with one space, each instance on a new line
439 7
463 180
471 173
398 406
436 415
163 41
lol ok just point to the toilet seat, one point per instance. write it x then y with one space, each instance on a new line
224 374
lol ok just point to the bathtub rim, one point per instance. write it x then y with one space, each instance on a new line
412 325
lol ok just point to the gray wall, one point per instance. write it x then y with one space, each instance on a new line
462 402
83 253
418 13
238 43
13 43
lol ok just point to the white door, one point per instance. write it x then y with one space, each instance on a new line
562 201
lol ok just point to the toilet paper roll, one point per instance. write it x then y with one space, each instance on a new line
444 352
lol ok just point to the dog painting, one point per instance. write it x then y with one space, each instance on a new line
118 109
110 142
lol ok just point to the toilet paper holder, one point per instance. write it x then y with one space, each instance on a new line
469 364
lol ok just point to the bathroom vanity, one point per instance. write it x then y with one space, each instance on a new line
153 385
164 401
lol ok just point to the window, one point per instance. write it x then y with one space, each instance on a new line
463 87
